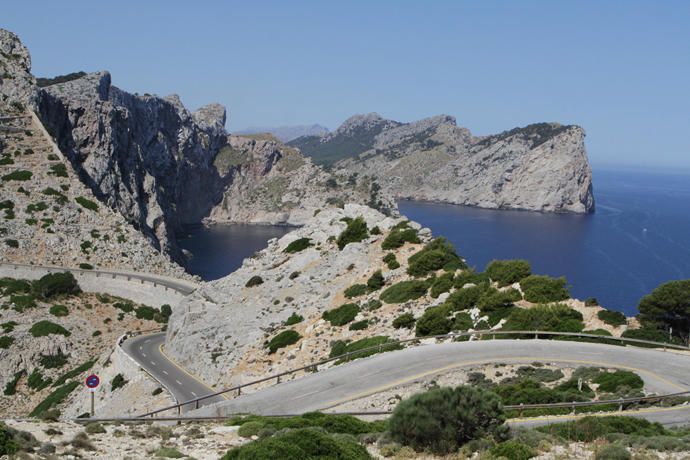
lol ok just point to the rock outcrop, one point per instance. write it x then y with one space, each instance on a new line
17 85
541 167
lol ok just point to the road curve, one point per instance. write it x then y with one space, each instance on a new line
663 372
147 352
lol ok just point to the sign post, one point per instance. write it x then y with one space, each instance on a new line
92 382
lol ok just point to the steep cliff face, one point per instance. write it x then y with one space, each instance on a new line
145 156
16 81
269 182
541 167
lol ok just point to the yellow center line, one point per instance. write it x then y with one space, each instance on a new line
197 379
412 378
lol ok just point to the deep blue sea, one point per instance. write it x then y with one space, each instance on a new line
638 237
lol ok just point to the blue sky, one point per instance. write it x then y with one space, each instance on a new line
619 69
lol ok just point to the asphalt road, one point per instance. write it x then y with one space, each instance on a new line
146 350
663 372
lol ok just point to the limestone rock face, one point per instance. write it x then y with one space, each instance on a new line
145 156
16 81
541 167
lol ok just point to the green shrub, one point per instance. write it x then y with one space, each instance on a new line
341 315
11 286
646 333
339 348
406 320
372 304
602 332
53 399
53 361
146 312
11 386
434 321
254 281
404 291
558 318
375 281
332 423
54 284
282 340
355 290
294 318
390 261
20 175
250 428
610 382
375 231
86 203
74 372
542 289
614 318
85 266
37 382
36 207
117 382
94 428
667 307
464 299
11 243
591 302
441 284
14 441
59 310
539 374
462 322
23 302
45 328
302 443
513 450
507 272
8 326
298 245
355 232
443 419
359 325
399 236
588 429
6 342
612 452
492 299
437 254
166 311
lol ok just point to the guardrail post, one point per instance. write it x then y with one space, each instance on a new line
277 379
620 407
521 409
239 391
196 406
493 336
179 410
573 408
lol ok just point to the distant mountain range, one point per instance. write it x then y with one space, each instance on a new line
287 133
539 167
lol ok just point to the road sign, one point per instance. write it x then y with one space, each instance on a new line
92 381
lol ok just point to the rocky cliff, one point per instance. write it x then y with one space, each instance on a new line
541 167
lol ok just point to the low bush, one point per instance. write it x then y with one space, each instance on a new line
54 284
74 372
442 284
390 261
254 281
6 342
94 428
406 321
58 310
558 317
437 254
10 243
355 232
513 450
301 443
434 321
371 305
507 272
464 299
442 420
53 361
14 441
282 340
588 429
45 328
492 299
8 326
54 399
23 302
294 318
341 315
399 236
11 286
375 281
11 385
85 266
37 382
611 382
332 423
404 291
20 175
359 325
117 382
339 348
614 318
648 333
612 452
298 245
86 203
355 290
543 289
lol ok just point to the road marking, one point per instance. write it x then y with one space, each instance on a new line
178 382
165 372
211 390
141 348
147 340
153 362
412 378
194 394
144 355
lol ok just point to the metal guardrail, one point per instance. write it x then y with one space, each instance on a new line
395 344
148 278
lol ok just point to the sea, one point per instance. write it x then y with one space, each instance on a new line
638 238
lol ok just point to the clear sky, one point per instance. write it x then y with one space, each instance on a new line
621 69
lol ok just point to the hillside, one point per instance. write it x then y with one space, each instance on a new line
541 167
310 295
286 133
